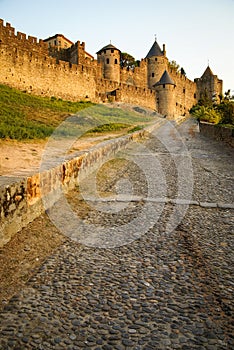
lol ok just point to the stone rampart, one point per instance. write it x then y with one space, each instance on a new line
24 199
26 65
30 43
36 72
185 94
137 95
125 93
136 77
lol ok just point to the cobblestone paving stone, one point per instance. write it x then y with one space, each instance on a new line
164 290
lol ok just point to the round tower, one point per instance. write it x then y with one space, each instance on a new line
109 57
165 95
157 63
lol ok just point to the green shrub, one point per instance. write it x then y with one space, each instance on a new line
136 128
226 109
206 114
108 127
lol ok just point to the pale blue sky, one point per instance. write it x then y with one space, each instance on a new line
193 31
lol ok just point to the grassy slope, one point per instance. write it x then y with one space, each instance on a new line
24 116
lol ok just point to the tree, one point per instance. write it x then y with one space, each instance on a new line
205 100
207 114
174 66
128 61
226 108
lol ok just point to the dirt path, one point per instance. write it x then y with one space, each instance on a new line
25 157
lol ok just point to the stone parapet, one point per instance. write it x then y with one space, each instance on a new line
218 132
23 199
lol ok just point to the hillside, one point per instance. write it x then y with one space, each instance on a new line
27 121
24 116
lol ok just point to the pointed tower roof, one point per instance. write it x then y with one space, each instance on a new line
208 72
165 79
155 50
108 47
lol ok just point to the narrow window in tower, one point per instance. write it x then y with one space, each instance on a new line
195 96
107 61
156 59
164 86
183 90
112 51
152 75
116 61
104 51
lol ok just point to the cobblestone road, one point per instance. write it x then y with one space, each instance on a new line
171 287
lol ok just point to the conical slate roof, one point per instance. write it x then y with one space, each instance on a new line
108 47
155 50
165 79
208 72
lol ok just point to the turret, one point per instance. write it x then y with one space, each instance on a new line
165 95
209 86
157 62
109 57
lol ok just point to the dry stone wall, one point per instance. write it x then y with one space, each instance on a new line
217 132
24 199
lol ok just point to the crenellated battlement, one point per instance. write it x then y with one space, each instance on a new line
58 67
9 33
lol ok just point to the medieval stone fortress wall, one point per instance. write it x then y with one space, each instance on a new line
57 67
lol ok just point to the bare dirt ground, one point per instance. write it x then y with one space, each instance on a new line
25 157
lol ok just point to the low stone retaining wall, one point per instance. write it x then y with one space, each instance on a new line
218 132
23 199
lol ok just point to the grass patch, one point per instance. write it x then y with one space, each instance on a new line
106 128
106 115
24 116
136 128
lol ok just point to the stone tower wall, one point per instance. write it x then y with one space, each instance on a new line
166 100
110 60
156 68
211 85
75 54
176 100
185 93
